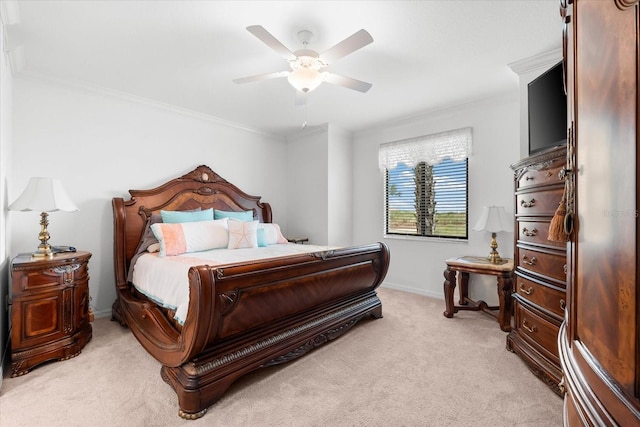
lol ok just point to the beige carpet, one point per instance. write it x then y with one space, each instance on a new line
414 367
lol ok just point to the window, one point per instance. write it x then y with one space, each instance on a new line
426 185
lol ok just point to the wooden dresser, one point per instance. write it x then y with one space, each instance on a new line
540 265
50 309
600 338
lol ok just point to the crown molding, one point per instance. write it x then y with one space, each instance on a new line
10 15
9 12
536 62
100 90
441 112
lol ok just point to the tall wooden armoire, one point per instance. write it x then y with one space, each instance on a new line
599 339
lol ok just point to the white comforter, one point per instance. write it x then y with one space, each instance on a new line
165 280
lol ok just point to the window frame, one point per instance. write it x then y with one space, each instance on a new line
429 150
416 235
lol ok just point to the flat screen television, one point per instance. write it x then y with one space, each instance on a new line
547 111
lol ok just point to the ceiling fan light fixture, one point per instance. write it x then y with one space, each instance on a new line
305 79
306 64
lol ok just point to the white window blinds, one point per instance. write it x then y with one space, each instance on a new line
432 149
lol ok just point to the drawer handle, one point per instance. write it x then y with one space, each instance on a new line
526 291
564 268
533 261
563 304
528 233
69 268
528 204
530 329
528 178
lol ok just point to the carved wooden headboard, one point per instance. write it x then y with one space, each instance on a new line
201 188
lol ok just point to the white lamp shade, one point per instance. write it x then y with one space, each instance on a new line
43 195
493 220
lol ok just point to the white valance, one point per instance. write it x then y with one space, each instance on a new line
454 144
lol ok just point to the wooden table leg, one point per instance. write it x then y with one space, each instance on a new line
505 289
464 288
449 287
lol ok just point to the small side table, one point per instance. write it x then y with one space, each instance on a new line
479 265
298 240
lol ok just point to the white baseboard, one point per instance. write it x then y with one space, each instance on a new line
437 295
101 313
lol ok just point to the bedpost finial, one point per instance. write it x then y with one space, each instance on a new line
203 173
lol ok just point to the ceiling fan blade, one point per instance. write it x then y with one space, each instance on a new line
352 43
272 42
347 82
259 77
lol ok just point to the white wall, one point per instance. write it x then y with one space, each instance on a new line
307 185
6 108
101 144
418 265
340 183
319 185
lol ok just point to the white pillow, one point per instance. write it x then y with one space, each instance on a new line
242 234
180 238
154 247
270 235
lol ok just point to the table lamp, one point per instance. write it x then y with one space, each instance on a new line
493 220
43 195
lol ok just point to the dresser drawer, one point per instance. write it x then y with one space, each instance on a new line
548 174
541 333
544 296
536 232
541 263
537 203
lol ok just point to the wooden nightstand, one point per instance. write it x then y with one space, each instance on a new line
50 315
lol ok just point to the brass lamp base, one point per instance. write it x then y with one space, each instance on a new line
494 256
44 248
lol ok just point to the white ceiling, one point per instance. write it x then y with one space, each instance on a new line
425 54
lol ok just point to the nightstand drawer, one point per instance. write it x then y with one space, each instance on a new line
543 264
538 203
541 333
59 275
541 295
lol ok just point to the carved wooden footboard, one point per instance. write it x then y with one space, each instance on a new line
245 316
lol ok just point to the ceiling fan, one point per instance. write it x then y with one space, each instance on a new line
306 65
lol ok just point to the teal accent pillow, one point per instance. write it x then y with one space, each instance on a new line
262 238
239 216
173 217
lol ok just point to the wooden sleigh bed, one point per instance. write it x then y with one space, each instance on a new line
241 316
